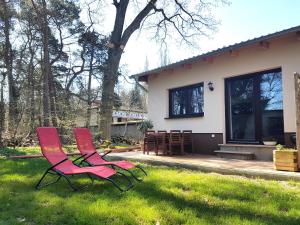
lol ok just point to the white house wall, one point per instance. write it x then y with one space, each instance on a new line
284 53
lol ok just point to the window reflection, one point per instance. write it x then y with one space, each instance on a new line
272 105
187 100
242 110
271 91
255 107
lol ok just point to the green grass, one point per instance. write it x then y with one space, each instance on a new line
166 196
8 151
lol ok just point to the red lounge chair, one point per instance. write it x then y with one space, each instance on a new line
86 147
63 167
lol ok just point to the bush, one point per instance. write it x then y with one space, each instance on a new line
145 125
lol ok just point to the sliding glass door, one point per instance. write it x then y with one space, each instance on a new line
254 108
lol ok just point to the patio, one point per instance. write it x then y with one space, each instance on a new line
211 163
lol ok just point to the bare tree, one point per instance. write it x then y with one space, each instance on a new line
7 14
188 19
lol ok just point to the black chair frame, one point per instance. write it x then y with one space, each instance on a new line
51 170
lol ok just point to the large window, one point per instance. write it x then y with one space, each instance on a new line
254 107
186 101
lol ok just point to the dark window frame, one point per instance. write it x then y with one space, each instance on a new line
256 105
187 100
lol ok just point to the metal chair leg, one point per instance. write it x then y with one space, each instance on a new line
137 166
70 183
39 186
117 186
131 173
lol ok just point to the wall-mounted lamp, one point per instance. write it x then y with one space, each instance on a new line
210 86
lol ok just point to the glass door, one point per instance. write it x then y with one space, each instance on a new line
254 108
241 108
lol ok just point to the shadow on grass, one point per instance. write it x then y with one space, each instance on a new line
154 193
7 151
153 190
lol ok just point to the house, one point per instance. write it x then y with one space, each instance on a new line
119 116
124 120
233 96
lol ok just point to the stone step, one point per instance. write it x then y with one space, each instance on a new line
235 154
261 152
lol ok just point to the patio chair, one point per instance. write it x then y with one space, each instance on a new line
90 155
187 140
63 167
162 141
175 141
150 142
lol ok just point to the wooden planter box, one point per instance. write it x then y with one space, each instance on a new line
286 160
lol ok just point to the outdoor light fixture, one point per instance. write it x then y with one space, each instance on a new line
210 86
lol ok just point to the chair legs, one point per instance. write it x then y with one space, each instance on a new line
132 173
130 185
39 184
60 175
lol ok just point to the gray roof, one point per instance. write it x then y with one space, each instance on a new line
143 76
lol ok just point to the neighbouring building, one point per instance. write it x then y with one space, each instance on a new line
124 120
238 94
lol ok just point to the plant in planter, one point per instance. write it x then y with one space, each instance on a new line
144 126
285 158
269 141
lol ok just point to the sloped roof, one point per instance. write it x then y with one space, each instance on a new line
143 76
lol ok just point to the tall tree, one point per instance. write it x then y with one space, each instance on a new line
188 19
7 13
57 21
93 52
135 98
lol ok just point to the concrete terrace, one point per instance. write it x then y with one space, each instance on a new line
210 163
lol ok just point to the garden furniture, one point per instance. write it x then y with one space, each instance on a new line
90 155
61 166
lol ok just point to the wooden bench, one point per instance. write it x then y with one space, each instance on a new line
236 155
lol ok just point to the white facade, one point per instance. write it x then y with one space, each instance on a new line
281 52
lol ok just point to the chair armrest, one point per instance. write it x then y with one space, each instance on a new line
102 156
79 158
90 155
56 164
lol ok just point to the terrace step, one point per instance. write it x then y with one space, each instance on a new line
261 152
235 154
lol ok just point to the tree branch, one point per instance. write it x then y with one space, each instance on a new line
135 24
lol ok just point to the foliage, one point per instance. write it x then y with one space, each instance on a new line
166 196
119 139
145 125
282 148
135 98
70 51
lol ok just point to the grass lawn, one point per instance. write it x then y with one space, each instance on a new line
166 196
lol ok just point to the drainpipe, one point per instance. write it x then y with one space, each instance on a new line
297 100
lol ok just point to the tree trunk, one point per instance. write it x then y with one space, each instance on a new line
118 41
31 88
52 98
8 61
2 110
89 109
45 66
110 78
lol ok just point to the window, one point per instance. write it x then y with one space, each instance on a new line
186 101
254 107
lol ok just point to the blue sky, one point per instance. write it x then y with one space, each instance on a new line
240 21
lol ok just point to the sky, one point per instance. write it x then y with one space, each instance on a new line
239 21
